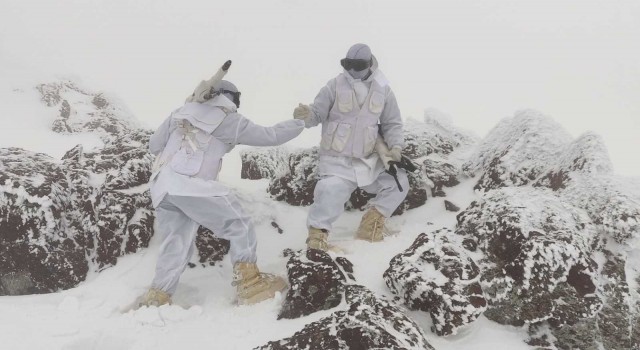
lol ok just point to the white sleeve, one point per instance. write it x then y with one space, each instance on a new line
322 105
159 139
391 122
237 129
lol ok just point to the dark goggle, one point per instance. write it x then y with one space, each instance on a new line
235 94
355 64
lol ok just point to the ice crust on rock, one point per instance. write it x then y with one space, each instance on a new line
37 252
369 322
537 251
517 151
363 321
437 276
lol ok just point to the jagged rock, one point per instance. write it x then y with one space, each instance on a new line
264 163
316 282
435 135
517 151
211 249
435 276
451 207
60 219
116 216
583 176
538 262
85 111
587 155
38 254
531 149
368 323
296 186
440 174
614 326
608 203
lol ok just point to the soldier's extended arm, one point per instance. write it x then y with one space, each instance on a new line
237 129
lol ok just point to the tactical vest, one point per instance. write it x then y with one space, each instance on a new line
191 149
351 130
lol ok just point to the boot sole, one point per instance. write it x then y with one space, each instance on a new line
369 240
262 296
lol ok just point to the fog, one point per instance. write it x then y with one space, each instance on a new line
477 61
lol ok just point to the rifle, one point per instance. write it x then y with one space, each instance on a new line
404 163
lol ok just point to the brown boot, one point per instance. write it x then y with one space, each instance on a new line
155 297
252 286
317 239
372 226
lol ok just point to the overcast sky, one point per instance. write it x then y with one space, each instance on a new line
478 61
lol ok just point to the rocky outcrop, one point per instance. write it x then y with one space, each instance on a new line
550 227
517 151
368 322
545 265
264 163
538 262
438 277
37 251
294 186
364 321
116 215
81 110
64 218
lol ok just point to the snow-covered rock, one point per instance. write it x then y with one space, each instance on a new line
438 277
369 322
316 282
264 163
38 251
109 187
615 326
295 186
517 151
538 263
441 174
81 110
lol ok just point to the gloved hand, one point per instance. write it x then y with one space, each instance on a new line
395 153
302 112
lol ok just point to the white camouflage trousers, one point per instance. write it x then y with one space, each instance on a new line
332 192
178 219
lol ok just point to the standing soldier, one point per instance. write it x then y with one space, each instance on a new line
354 108
185 192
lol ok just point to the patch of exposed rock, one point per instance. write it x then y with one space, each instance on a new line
438 277
362 321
